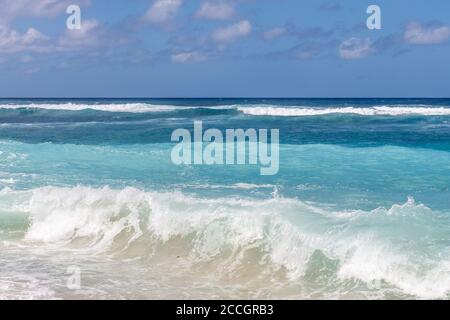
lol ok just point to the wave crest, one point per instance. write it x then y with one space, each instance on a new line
253 110
362 111
277 235
114 107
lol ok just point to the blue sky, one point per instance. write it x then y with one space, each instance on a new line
224 48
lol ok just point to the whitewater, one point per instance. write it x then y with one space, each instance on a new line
255 110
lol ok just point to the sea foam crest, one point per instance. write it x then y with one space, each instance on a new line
363 111
384 245
115 107
254 110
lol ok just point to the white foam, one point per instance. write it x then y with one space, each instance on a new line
255 110
382 245
24 288
363 111
127 107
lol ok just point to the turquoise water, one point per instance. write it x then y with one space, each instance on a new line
360 207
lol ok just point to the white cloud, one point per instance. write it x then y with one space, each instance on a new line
274 33
355 48
231 33
186 57
11 41
163 10
216 11
11 9
415 33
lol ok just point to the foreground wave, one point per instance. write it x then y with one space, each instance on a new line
279 247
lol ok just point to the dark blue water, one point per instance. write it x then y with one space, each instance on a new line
89 126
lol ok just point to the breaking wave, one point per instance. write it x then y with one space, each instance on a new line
126 107
362 111
402 249
253 110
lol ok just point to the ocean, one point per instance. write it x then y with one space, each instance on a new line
359 209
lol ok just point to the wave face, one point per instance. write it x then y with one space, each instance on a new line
277 242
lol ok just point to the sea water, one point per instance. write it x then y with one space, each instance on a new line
360 207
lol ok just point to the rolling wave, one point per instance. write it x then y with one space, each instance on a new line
253 110
362 111
126 107
384 247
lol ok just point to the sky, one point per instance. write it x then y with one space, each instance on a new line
224 48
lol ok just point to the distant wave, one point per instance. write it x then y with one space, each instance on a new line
125 107
130 108
252 110
285 235
363 111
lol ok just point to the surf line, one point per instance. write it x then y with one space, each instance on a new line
239 147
